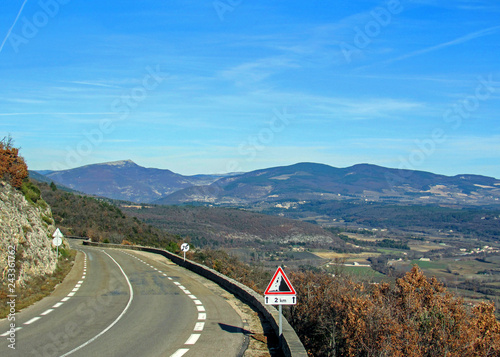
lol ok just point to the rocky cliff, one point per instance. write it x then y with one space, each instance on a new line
28 227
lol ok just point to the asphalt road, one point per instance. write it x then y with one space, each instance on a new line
120 303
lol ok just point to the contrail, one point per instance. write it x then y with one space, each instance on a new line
463 39
12 27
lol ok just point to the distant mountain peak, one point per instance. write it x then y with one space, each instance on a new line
119 163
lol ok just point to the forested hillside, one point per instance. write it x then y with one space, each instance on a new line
85 216
214 227
470 222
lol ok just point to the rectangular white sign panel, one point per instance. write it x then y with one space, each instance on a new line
280 299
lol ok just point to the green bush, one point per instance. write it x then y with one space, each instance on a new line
31 192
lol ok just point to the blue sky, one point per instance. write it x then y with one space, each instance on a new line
237 85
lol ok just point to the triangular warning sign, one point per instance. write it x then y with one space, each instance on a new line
280 285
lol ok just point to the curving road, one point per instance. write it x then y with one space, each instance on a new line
124 303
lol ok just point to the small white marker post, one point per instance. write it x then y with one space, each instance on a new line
57 241
185 248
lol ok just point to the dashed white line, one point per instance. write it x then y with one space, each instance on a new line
181 352
47 312
8 332
32 320
199 326
192 339
57 305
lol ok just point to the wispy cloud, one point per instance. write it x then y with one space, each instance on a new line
23 100
95 84
257 71
457 41
56 113
13 25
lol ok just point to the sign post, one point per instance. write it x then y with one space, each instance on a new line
57 241
280 292
185 248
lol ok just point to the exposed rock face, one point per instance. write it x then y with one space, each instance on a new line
27 227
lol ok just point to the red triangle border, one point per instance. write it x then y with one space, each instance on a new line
292 290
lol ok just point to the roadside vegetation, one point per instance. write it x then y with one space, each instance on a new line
14 170
414 316
38 288
12 166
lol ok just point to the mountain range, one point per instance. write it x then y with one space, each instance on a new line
125 180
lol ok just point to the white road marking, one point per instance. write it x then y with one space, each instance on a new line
200 308
176 283
192 339
193 297
57 305
8 332
65 299
202 316
199 326
187 292
198 302
71 294
47 312
181 352
32 320
131 290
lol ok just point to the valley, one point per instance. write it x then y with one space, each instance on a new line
366 221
